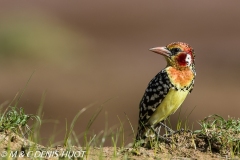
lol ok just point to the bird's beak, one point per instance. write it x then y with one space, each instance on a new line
161 50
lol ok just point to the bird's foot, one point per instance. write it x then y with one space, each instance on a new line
176 132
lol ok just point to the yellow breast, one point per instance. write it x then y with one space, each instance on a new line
169 105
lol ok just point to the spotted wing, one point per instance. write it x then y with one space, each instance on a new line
156 91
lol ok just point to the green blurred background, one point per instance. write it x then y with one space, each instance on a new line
87 52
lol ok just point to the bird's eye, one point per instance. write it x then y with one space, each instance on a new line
175 50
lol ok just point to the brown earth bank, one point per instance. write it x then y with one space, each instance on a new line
184 145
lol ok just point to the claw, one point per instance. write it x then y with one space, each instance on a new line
174 132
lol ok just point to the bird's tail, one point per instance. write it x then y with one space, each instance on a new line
140 131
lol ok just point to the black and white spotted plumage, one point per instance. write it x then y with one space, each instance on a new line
156 91
168 89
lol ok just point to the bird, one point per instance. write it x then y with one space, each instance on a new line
168 89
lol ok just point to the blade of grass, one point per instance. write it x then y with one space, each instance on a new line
122 132
24 89
68 132
134 135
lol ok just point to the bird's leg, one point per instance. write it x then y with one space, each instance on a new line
169 130
156 131
169 133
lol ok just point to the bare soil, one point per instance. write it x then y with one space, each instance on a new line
185 145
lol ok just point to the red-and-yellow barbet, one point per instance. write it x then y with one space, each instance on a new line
168 89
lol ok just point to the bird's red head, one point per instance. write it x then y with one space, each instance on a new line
178 54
